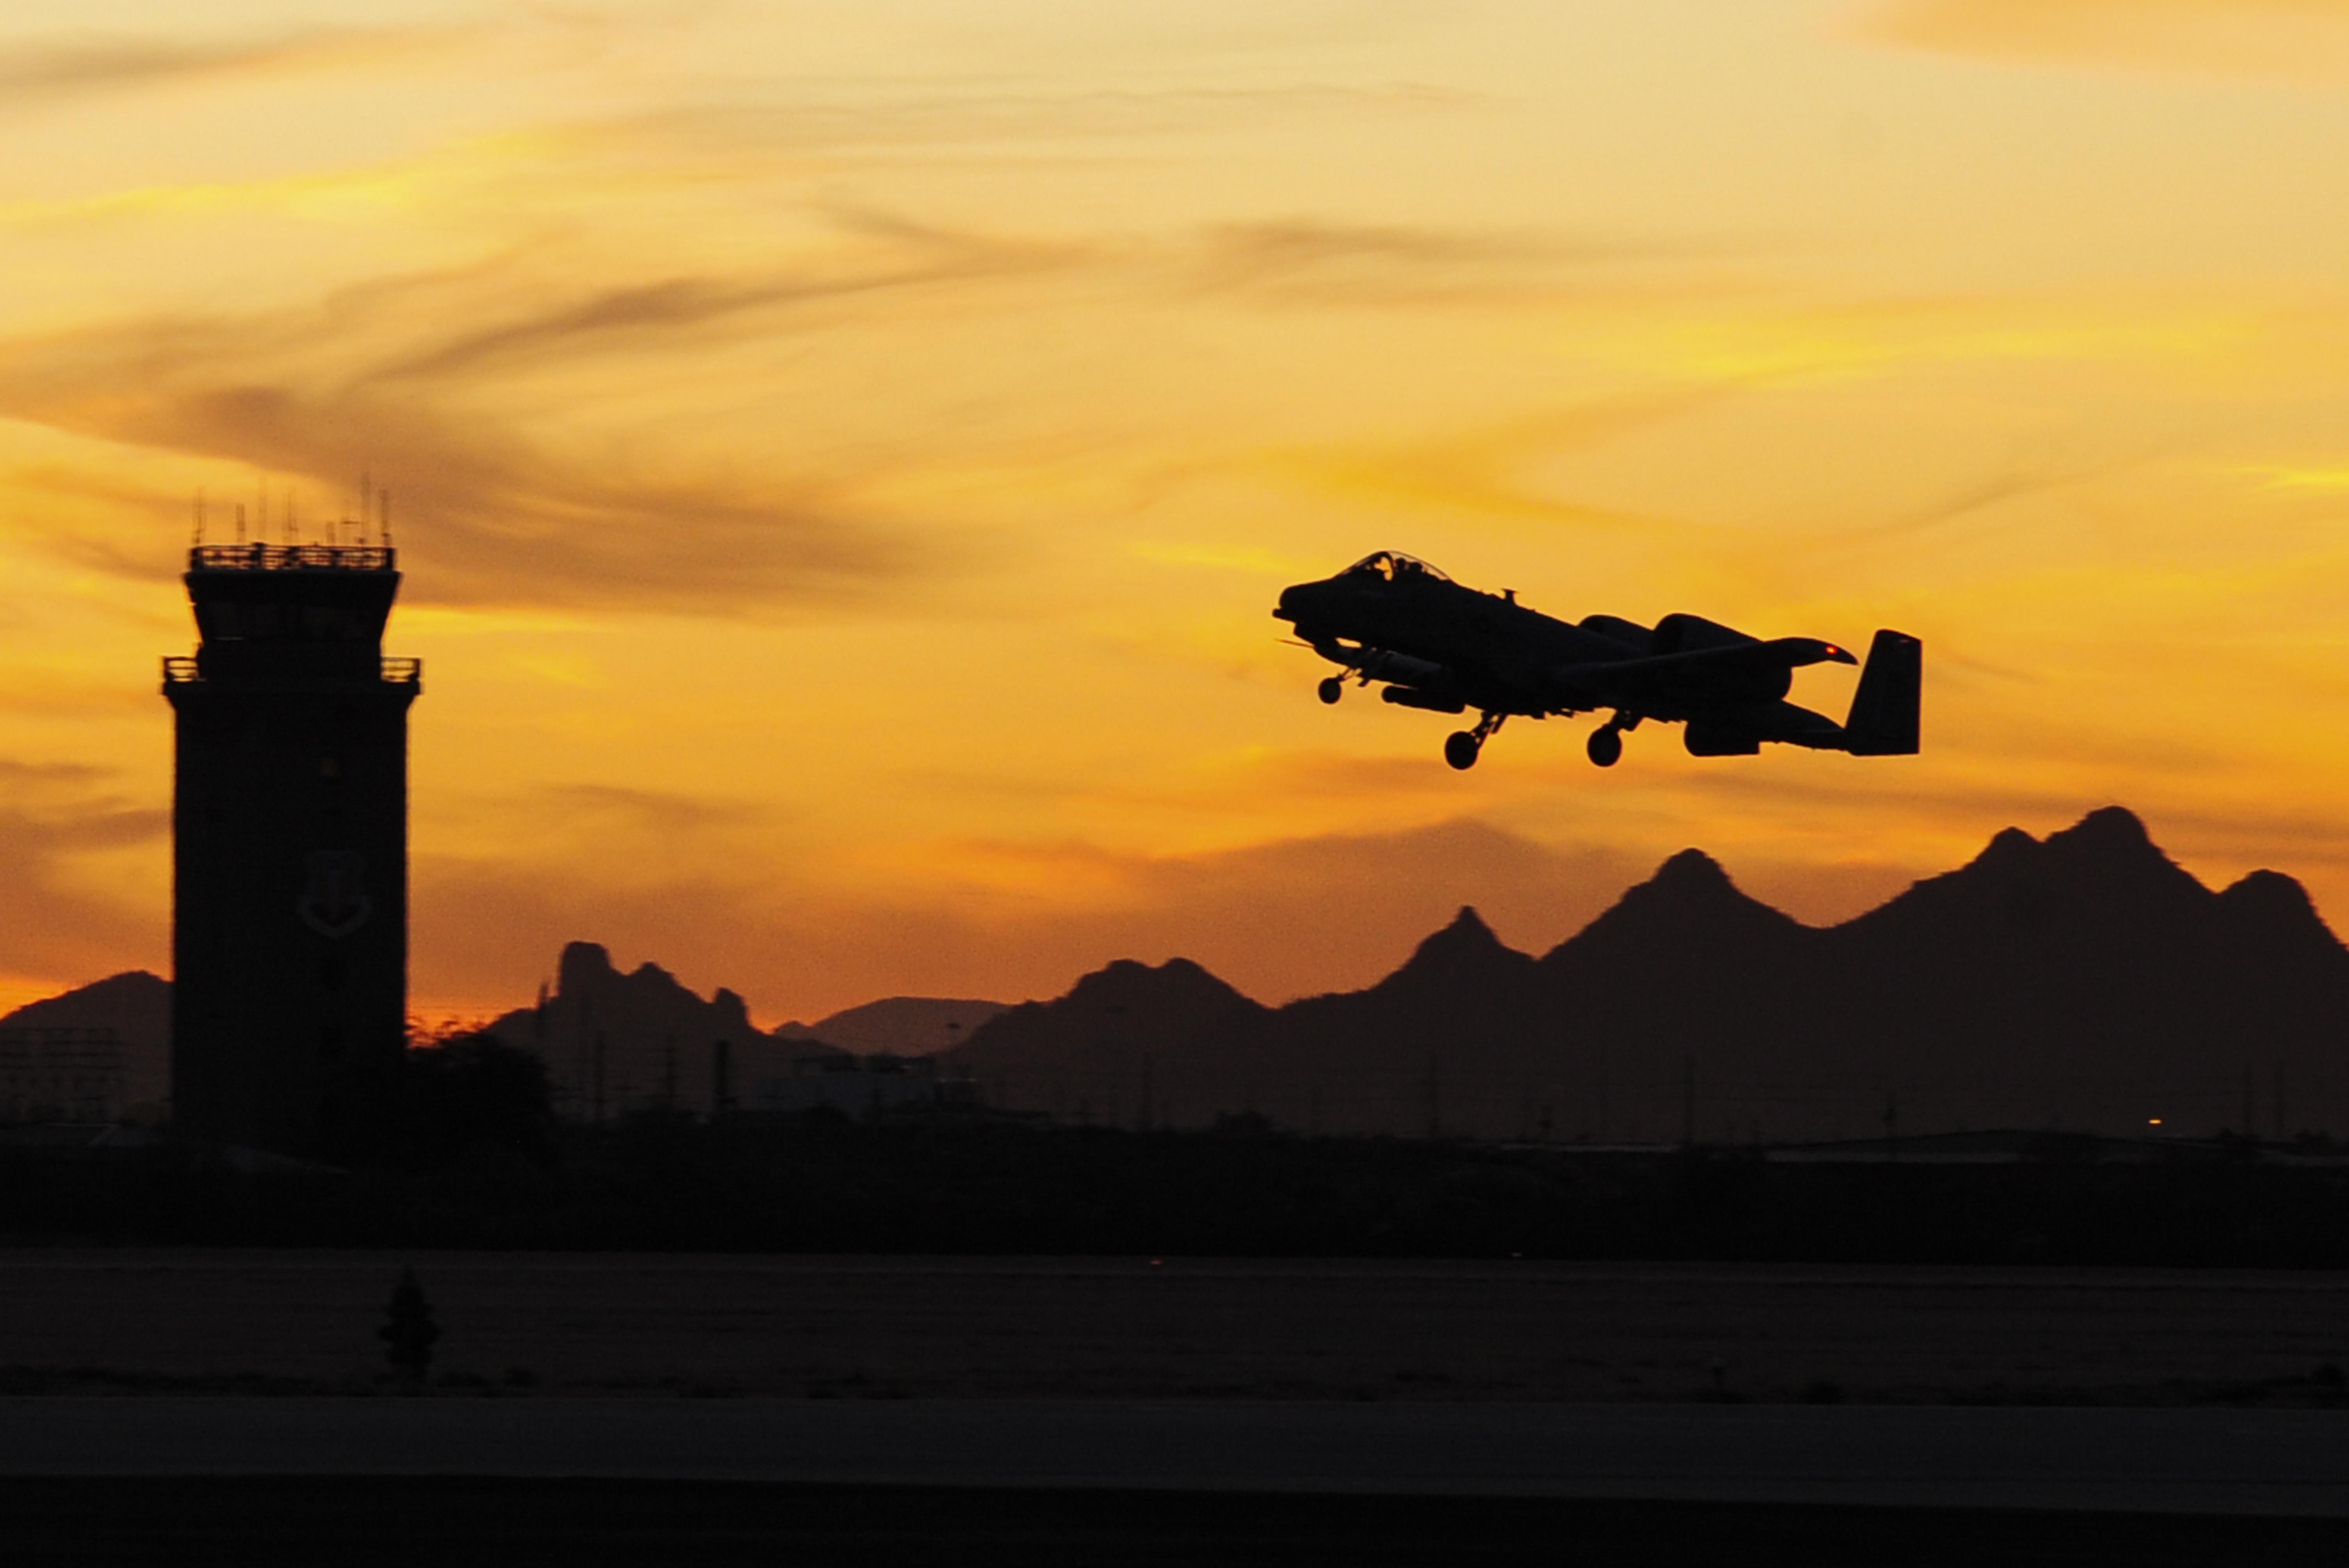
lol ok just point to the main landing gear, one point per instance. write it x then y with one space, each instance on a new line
1606 745
1332 689
1460 746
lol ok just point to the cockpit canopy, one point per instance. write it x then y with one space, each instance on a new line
1394 567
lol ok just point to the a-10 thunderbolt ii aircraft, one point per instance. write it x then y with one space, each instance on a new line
1438 645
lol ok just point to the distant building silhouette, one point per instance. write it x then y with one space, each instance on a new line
290 859
60 1074
134 1009
861 1085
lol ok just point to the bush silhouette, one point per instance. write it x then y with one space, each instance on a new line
474 1089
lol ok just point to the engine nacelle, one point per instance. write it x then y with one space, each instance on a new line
1630 634
1680 633
1759 681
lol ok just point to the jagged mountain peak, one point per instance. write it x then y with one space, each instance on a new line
2104 867
2268 890
2009 847
1178 985
2108 851
900 1026
2107 824
1124 1005
2272 908
1691 869
1690 898
1468 925
2109 834
1466 942
1466 936
730 1008
1691 882
581 960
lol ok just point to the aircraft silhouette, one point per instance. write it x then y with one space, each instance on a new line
1439 646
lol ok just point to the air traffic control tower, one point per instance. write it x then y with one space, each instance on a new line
289 939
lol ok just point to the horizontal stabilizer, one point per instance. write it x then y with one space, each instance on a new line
1884 710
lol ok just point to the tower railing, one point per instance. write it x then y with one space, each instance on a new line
181 670
293 558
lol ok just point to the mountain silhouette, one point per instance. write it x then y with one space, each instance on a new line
137 1007
614 1042
2084 981
1097 1051
901 1026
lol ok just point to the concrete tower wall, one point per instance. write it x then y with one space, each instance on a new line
290 819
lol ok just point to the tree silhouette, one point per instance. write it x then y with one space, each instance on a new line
408 1332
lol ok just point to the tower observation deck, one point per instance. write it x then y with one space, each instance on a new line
289 938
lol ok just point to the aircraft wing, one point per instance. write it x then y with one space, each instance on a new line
1777 653
1725 670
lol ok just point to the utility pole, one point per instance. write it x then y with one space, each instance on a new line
597 1069
1688 1100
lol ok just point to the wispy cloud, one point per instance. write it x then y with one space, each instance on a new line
52 815
1309 261
659 811
390 375
36 72
998 115
2278 38
666 310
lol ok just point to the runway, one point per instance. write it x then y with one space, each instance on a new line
2269 1463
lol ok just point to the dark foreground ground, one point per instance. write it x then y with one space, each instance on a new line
982 1186
588 1524
212 1321
2206 1426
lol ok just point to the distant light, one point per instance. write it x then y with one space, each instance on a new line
2153 1121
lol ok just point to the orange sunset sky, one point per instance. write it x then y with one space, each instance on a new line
844 453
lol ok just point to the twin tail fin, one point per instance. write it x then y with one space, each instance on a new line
1884 710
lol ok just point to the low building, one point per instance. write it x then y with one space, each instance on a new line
61 1075
859 1085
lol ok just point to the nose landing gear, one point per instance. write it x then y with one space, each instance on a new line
1332 689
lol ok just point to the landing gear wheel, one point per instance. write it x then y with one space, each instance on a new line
1460 748
1332 689
1605 745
